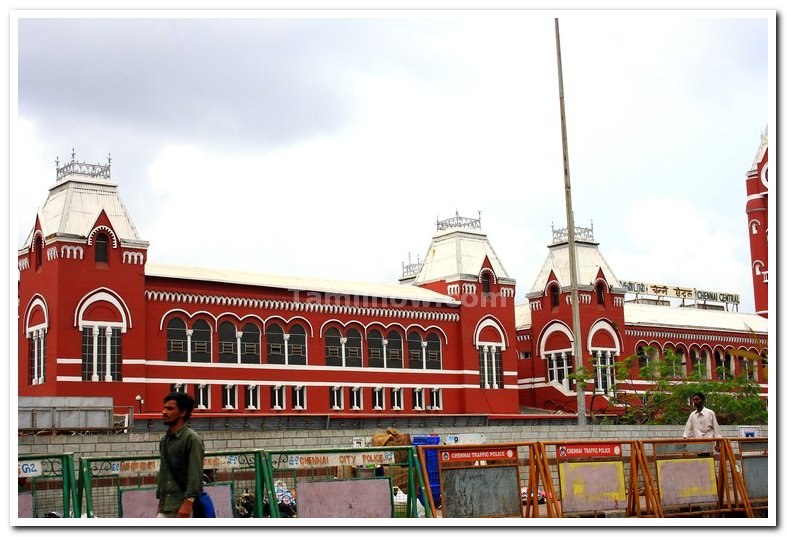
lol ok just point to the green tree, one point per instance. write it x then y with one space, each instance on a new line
667 400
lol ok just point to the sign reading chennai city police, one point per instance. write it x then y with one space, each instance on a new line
319 460
675 291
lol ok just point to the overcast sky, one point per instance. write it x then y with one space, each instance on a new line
328 147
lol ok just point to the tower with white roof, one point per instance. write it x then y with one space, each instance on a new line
757 218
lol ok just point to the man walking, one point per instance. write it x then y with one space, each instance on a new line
182 451
702 423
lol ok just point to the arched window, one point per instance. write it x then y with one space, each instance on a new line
102 248
415 351
333 347
486 282
394 350
275 347
39 248
201 341
354 355
228 352
297 346
433 352
699 367
600 294
376 351
723 365
250 344
176 340
554 293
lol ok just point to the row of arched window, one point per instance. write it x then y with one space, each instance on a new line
719 364
100 250
248 345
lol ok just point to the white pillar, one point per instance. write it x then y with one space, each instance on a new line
423 353
486 366
494 367
108 372
385 353
238 336
343 340
188 345
35 357
95 353
286 349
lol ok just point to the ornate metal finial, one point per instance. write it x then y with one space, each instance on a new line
109 159
459 222
57 162
96 171
411 269
73 155
580 233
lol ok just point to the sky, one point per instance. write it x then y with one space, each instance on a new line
328 144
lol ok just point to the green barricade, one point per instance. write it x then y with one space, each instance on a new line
364 482
47 486
125 487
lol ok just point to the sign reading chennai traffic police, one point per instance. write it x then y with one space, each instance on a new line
568 451
319 460
473 455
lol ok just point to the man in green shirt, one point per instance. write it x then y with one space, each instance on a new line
182 451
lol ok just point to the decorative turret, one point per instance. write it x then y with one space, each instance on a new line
757 216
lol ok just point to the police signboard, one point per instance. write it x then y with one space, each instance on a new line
473 455
568 451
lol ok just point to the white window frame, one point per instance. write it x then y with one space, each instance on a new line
202 396
109 328
378 398
299 397
356 398
435 399
38 336
232 396
253 393
418 398
337 398
396 399
278 401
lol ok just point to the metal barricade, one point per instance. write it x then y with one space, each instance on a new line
370 481
116 487
47 486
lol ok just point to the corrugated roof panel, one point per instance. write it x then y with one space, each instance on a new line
692 318
398 292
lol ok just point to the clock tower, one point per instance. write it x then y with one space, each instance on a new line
757 217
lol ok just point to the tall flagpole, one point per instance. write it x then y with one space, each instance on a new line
572 255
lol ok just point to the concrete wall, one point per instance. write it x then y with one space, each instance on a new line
145 443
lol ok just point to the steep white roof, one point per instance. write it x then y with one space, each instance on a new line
589 260
293 283
454 252
522 318
75 202
691 318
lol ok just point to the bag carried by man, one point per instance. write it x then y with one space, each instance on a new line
203 505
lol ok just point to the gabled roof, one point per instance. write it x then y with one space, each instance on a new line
589 261
455 252
295 283
637 315
75 203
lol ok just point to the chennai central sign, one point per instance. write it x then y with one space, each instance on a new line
673 291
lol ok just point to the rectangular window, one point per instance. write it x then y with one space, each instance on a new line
332 352
525 355
418 398
378 399
200 346
277 397
356 399
436 399
250 348
229 397
251 395
353 352
375 354
37 355
337 398
202 396
298 397
297 350
396 398
227 347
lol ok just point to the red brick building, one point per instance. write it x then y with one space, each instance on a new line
757 216
97 319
